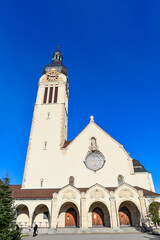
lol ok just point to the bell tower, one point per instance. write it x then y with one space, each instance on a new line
49 123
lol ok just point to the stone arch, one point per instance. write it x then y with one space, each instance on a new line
66 207
100 206
41 216
129 214
22 216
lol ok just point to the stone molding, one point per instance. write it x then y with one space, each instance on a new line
97 193
69 194
125 193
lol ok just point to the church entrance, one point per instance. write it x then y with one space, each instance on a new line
97 217
124 217
71 218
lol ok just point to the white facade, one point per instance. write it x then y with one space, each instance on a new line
53 163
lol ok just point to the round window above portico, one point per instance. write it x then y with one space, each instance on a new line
94 160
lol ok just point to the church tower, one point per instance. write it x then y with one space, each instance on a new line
49 123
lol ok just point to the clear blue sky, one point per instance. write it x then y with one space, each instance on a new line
111 49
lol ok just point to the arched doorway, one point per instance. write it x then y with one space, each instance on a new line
129 214
68 215
97 217
124 217
71 218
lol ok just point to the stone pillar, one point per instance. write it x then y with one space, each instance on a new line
143 205
54 213
30 220
113 211
83 212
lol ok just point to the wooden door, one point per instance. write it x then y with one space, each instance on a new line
97 217
71 217
124 216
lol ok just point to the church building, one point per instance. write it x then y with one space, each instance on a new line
85 183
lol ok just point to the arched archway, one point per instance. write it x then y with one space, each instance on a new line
68 215
129 214
41 216
22 216
98 215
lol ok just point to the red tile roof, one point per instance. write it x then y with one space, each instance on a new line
66 143
18 193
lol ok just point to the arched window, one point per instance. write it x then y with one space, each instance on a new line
120 179
93 144
48 115
45 145
71 180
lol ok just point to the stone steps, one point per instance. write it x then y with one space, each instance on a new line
94 230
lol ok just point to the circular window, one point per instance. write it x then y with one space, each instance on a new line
94 161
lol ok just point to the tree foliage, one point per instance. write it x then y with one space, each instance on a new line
154 212
8 228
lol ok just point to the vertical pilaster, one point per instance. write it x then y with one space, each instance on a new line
30 220
143 205
83 212
54 213
113 212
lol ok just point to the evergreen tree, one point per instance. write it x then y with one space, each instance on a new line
8 229
154 212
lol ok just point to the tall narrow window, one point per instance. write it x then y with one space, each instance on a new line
50 94
56 94
45 145
48 115
41 182
45 95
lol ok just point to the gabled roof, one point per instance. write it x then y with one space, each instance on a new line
138 167
18 193
66 143
91 123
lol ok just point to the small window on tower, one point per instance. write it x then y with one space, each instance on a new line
71 180
41 182
45 145
48 115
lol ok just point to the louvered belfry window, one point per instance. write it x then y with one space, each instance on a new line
45 95
56 95
50 94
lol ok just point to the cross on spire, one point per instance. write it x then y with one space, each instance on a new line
91 119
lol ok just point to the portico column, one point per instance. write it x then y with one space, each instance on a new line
142 204
83 212
54 213
30 220
113 212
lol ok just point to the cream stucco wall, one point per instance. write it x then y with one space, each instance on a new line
54 164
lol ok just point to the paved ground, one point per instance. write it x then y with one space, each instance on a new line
112 236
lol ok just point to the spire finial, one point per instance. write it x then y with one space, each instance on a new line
58 47
91 119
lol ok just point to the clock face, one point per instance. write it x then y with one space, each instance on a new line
52 76
94 161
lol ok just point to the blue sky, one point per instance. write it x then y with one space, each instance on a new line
111 49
